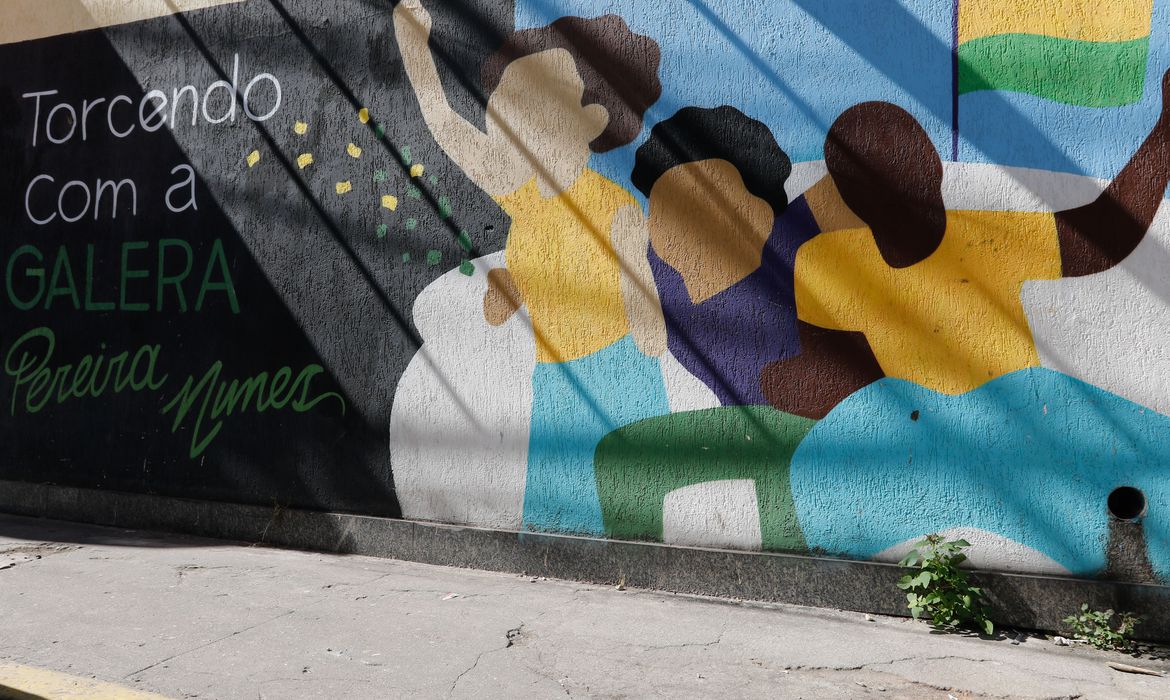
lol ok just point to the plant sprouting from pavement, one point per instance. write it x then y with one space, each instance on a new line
940 589
1096 628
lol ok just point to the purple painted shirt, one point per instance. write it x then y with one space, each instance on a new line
726 340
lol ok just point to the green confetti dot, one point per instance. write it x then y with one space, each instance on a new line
411 224
379 176
383 229
406 160
464 241
434 257
406 257
379 130
444 207
466 267
413 192
433 180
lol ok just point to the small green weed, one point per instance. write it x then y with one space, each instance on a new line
942 590
1096 628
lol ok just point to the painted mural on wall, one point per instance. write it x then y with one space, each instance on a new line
797 276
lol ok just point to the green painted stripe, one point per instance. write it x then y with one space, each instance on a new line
1086 73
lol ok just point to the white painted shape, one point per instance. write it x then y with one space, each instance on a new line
988 552
684 391
723 514
804 176
984 186
460 422
1111 329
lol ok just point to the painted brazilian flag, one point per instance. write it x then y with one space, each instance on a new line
1084 52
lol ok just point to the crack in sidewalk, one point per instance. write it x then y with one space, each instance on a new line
870 666
891 662
714 642
510 636
172 657
286 613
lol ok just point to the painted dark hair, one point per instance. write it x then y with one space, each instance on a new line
700 133
619 69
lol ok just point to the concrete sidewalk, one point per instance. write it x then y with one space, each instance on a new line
184 617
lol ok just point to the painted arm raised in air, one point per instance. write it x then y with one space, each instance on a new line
487 158
1100 234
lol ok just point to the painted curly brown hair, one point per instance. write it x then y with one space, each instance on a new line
618 66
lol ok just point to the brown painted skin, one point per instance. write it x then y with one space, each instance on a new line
831 365
890 175
502 298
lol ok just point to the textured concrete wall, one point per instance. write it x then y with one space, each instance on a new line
801 276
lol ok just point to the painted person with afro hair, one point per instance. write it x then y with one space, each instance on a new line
724 239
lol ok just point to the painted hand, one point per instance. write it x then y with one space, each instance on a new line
649 336
502 298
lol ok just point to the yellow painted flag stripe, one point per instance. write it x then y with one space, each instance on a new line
1084 20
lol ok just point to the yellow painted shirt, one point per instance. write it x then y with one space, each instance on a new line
560 254
949 323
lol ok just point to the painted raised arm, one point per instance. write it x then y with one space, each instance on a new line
1099 235
475 152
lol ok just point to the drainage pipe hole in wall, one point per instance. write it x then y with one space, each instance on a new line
1127 503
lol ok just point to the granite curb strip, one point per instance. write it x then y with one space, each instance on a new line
1024 601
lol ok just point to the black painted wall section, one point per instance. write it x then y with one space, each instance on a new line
315 280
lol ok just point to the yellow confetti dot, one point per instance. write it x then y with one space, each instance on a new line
304 160
417 170
363 115
253 158
353 150
390 201
343 187
300 127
